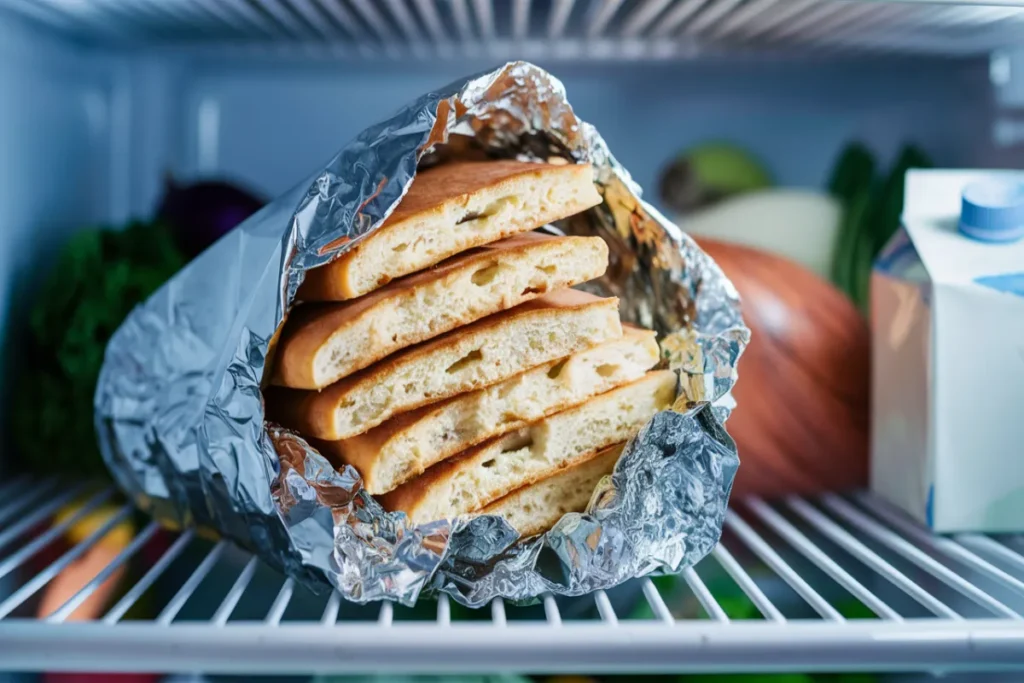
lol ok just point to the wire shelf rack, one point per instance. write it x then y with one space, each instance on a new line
542 29
831 583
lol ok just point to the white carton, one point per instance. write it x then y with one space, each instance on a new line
947 315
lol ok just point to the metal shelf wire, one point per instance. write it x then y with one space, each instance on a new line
832 583
540 29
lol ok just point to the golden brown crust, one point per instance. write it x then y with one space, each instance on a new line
431 191
411 495
312 327
454 181
295 409
298 341
590 471
365 451
550 304
312 412
476 254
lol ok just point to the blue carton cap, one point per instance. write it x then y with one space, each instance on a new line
993 211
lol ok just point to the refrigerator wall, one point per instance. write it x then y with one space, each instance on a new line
272 123
58 159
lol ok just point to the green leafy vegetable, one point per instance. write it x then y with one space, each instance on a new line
739 607
855 609
871 213
852 183
666 586
854 171
100 276
889 208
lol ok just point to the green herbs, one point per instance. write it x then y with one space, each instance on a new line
871 213
99 277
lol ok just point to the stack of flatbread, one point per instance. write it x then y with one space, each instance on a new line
447 358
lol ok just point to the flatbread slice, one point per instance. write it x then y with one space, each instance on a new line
468 358
485 473
451 208
534 509
404 446
321 344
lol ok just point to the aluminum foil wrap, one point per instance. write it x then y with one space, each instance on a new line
179 410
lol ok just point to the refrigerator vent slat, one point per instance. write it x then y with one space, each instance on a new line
569 29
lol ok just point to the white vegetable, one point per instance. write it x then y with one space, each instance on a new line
801 225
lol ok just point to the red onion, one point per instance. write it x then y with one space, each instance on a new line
201 213
801 421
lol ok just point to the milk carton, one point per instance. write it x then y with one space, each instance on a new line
947 315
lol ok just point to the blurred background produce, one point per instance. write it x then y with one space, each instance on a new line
801 421
202 212
801 260
98 277
798 224
872 201
708 174
718 190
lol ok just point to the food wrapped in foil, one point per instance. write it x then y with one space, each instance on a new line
179 410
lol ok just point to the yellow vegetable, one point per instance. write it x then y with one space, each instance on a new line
119 536
89 564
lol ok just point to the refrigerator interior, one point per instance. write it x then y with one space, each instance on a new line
98 103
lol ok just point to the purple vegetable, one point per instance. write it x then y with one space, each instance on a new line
201 213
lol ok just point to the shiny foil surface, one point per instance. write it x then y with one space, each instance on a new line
179 411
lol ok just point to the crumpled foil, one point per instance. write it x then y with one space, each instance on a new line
179 411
